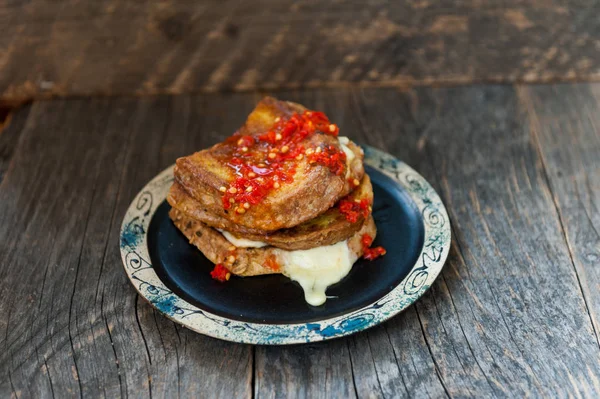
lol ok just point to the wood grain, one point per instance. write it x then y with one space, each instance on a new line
73 48
321 370
509 267
512 314
71 324
569 146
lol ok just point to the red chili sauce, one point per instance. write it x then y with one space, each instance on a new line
220 273
262 163
371 253
271 263
353 209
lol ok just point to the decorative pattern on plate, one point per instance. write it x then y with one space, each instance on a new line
136 260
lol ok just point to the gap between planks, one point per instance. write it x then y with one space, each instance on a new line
402 84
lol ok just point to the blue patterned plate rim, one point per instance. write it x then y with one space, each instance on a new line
436 245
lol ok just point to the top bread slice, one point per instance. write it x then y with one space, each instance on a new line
314 189
326 229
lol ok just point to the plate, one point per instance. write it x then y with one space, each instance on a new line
412 224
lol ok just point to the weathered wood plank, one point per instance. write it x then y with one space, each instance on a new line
71 323
507 317
565 123
304 371
149 47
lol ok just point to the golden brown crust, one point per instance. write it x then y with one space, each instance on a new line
314 189
248 261
326 229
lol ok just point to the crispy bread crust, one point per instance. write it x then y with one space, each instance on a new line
314 189
326 229
248 261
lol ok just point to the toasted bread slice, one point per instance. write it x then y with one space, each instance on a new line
206 175
326 229
248 261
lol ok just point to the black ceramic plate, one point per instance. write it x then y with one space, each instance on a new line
275 298
175 276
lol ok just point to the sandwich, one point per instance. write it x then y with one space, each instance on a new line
284 194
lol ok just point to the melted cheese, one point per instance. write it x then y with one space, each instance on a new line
317 268
349 153
242 242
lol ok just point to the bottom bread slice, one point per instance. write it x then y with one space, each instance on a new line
249 261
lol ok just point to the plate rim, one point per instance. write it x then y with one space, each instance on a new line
432 257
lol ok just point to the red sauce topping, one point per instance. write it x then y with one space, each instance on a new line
262 163
220 273
271 263
331 157
371 253
353 209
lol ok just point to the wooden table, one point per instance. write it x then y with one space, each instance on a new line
516 310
